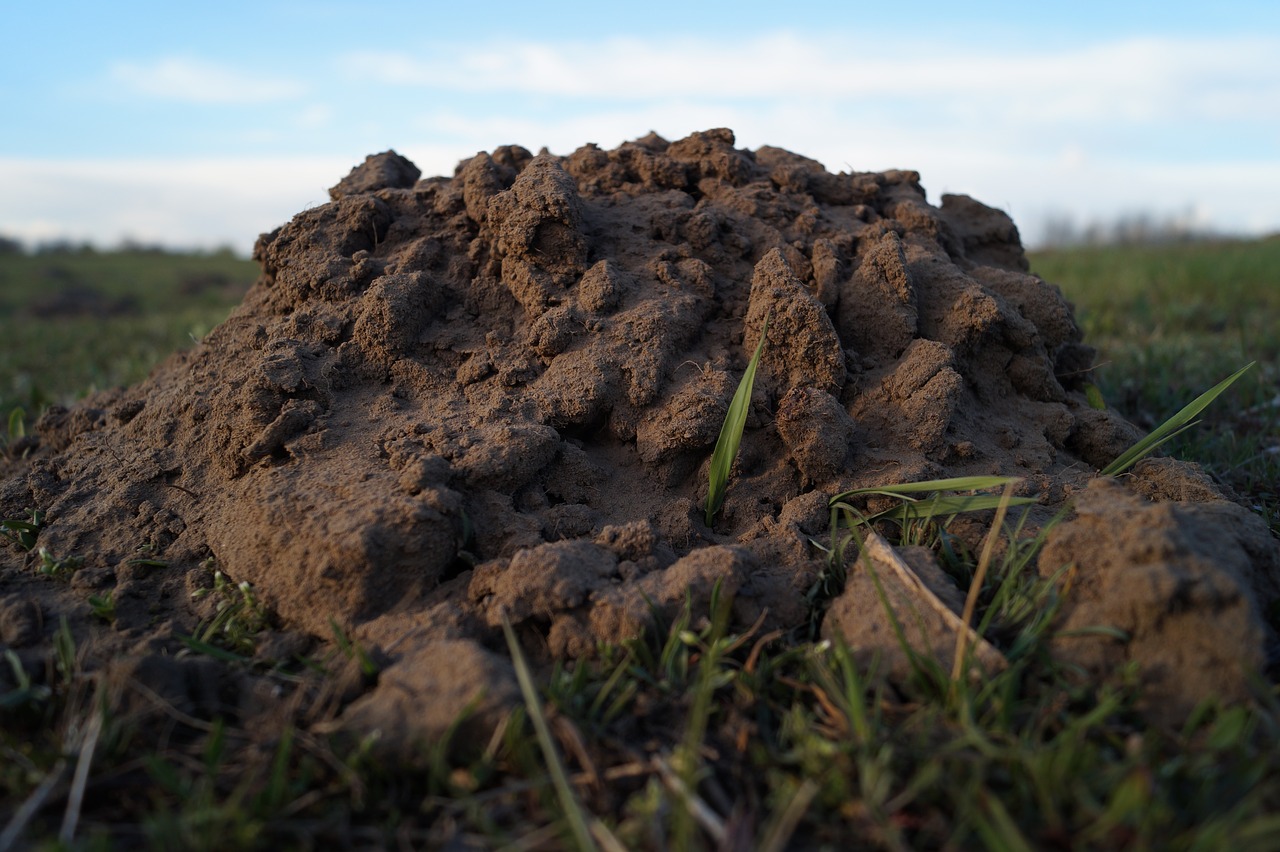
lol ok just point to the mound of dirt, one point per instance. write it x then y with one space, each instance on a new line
447 399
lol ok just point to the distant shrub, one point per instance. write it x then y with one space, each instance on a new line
65 247
1129 229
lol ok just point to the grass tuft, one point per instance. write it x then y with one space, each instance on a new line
231 634
911 513
21 532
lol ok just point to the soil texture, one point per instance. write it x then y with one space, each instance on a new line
451 399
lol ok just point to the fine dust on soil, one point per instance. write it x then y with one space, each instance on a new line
450 398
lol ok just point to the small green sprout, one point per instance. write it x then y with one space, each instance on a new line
17 423
1175 425
730 439
104 607
1094 396
53 566
231 634
24 692
23 533
934 503
937 504
353 650
65 654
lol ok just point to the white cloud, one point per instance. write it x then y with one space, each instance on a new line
316 116
1096 130
1136 79
176 202
213 202
198 81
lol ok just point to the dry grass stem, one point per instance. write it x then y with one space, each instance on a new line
975 587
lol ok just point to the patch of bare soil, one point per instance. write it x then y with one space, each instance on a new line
449 398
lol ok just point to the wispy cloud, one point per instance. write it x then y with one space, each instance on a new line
1157 124
199 81
1135 79
179 201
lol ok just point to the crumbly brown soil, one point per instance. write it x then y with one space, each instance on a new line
446 399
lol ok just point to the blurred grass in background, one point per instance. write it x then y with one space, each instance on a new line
1170 321
77 321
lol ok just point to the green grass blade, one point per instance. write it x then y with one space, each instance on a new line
1173 425
210 650
17 423
946 505
1094 396
996 826
731 432
559 778
1150 447
960 483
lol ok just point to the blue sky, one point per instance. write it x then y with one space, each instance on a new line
163 122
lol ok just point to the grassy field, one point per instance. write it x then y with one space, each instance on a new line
696 737
1171 321
80 321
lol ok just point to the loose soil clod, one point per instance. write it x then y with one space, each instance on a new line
450 398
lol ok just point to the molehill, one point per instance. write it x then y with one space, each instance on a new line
446 399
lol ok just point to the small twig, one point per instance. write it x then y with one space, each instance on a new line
975 587
741 640
571 738
167 708
539 838
754 657
1094 366
76 797
606 838
780 832
193 495
698 809
31 807
636 769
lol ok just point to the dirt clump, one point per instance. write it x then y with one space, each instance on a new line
454 398
1185 585
903 605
